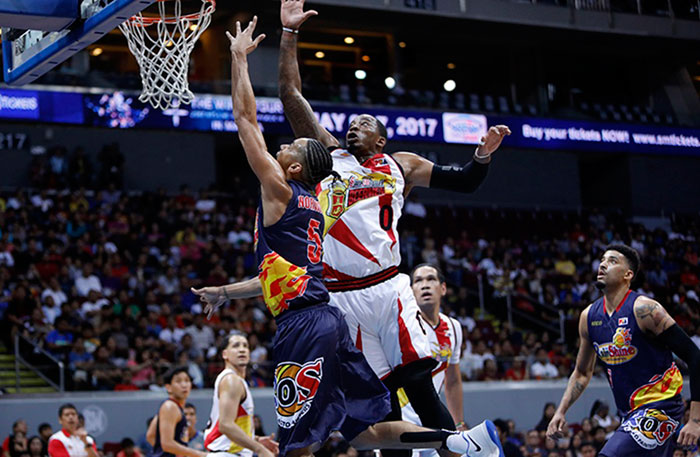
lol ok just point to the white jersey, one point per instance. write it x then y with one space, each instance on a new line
361 213
216 441
446 347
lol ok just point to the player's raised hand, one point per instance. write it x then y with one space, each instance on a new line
243 42
557 426
293 15
491 141
212 297
690 433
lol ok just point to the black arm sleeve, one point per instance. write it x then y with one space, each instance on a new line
680 343
464 179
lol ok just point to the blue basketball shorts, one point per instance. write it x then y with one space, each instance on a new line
322 382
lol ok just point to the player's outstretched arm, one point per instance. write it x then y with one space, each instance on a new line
296 108
421 172
653 319
231 393
272 179
214 297
583 371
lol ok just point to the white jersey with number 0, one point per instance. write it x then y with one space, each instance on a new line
361 213
216 441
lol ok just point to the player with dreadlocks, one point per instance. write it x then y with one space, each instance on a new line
323 382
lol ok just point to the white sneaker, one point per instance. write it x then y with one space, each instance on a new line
480 441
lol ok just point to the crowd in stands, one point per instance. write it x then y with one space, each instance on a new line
101 280
583 438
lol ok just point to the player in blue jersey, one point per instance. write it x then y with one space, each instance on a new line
322 381
635 338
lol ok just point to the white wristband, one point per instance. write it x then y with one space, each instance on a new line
476 154
287 29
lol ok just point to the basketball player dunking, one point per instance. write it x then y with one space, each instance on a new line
322 381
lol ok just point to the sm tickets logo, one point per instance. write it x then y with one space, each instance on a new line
295 388
463 128
650 428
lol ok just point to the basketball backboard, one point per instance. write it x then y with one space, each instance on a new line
37 35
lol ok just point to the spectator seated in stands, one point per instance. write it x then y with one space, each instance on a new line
128 449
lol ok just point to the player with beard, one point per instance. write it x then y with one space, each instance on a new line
322 382
362 209
635 338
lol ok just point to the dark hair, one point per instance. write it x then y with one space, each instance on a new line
16 423
630 253
227 340
127 442
587 443
190 405
318 162
43 426
29 443
66 406
170 374
441 276
501 425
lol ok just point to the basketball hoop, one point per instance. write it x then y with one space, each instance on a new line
164 56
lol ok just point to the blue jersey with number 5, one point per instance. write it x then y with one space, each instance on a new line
289 254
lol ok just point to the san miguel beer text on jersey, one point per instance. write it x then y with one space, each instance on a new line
346 192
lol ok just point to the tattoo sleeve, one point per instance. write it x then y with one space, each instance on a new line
297 110
652 317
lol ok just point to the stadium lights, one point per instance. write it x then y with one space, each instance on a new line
193 27
360 74
390 82
96 52
450 85
320 54
402 44
349 40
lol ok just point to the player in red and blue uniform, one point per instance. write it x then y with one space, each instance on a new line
322 381
635 338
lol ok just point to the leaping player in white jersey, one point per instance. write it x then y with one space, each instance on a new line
361 246
230 428
361 243
445 338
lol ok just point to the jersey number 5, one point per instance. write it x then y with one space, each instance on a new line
314 250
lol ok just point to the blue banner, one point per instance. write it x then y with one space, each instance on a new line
213 113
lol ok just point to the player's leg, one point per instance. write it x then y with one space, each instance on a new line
308 403
481 441
406 346
366 403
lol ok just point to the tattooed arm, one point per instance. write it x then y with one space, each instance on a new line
585 361
296 108
653 319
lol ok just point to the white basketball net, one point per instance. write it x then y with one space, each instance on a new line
163 54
